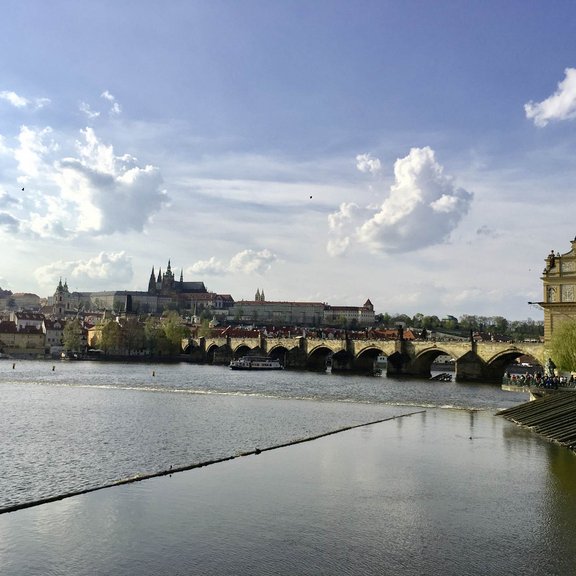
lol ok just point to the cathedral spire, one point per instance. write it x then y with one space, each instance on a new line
152 282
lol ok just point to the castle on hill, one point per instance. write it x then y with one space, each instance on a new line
169 291
164 293
166 284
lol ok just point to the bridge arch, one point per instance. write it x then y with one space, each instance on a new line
242 349
281 353
318 358
366 359
499 362
218 354
422 363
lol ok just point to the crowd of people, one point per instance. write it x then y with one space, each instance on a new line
539 380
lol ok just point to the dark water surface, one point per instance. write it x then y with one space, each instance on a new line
442 491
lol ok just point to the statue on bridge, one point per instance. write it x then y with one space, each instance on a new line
550 367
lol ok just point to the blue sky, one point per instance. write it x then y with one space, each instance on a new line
420 154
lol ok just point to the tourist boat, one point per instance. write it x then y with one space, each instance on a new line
256 363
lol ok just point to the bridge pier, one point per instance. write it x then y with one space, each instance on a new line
405 362
471 368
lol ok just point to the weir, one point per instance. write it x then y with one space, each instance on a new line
552 416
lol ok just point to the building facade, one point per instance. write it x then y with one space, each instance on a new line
312 314
559 289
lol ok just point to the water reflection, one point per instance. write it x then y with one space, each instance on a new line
410 496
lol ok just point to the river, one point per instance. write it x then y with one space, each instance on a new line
440 486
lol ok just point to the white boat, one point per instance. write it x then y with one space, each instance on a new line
256 363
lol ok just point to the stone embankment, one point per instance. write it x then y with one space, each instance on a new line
552 416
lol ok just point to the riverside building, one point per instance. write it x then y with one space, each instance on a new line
559 290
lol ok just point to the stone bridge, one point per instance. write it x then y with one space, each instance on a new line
474 361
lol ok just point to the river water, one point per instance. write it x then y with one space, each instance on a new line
441 486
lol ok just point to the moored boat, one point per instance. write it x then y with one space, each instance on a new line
256 363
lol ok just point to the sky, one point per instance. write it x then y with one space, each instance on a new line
421 154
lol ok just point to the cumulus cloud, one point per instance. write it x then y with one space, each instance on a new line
250 261
423 207
92 190
7 199
245 262
14 99
110 193
560 106
341 225
211 267
8 222
108 268
367 163
3 147
33 147
21 102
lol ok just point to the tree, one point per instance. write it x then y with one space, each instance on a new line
134 338
430 322
402 319
500 324
204 329
383 319
174 331
152 331
111 337
417 320
563 346
72 335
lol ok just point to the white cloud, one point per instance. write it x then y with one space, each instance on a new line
110 193
245 262
14 99
341 225
6 199
8 222
32 150
422 209
560 106
93 190
87 110
212 267
115 108
102 271
367 163
249 261
21 102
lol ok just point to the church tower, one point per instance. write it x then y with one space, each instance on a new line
168 279
259 295
61 299
152 282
